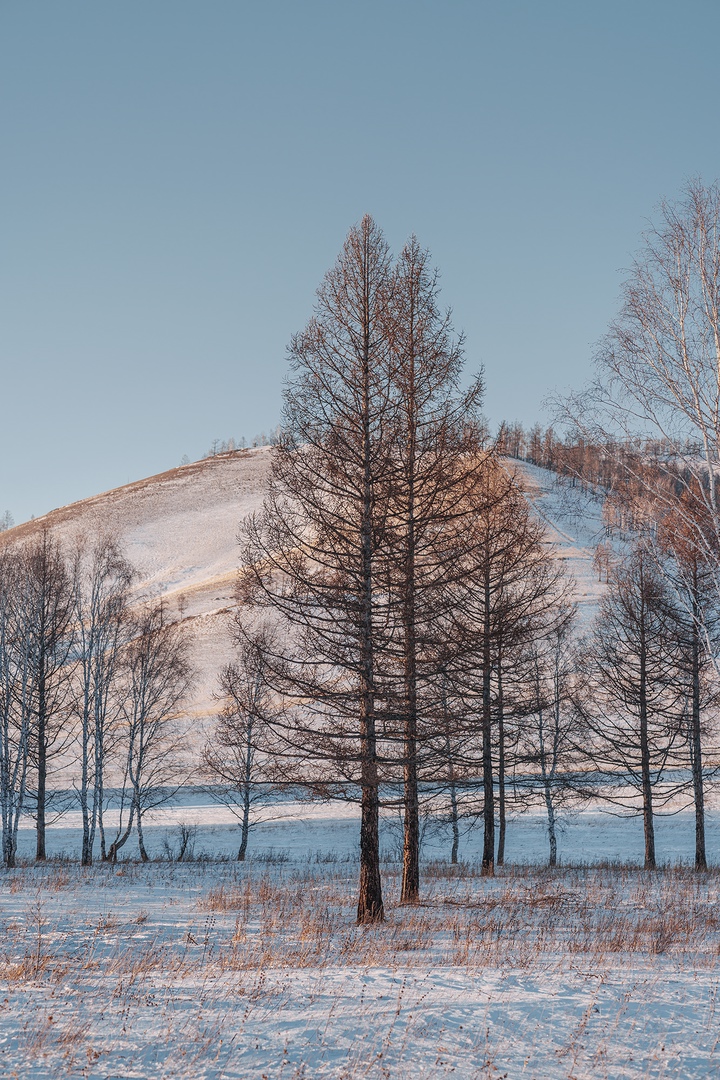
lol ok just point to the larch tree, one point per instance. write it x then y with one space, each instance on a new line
312 555
510 582
435 461
688 567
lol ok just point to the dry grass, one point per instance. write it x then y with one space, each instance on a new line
155 941
278 917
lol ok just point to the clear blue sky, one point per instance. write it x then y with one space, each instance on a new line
177 176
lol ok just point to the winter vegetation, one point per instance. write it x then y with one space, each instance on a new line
414 728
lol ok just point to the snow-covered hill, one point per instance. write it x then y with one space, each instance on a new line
179 529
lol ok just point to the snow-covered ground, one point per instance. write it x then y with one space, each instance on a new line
212 969
291 829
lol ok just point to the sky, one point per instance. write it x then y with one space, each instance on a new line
177 176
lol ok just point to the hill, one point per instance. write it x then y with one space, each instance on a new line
179 530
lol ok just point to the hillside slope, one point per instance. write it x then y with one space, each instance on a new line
574 524
179 530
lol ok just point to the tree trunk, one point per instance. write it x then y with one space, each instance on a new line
86 854
122 839
696 750
552 833
410 888
454 819
501 769
648 823
245 826
40 852
370 903
488 857
141 839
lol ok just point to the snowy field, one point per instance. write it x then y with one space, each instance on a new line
215 969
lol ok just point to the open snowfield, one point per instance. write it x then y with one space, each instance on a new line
214 969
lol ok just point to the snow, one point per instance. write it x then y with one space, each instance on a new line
573 520
179 529
213 969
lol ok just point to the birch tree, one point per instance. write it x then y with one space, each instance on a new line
101 581
658 368
510 581
158 678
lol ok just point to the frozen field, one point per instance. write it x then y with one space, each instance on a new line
212 969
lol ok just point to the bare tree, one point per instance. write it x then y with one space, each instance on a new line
548 728
435 457
48 600
510 581
240 752
632 710
101 580
688 568
658 369
311 556
16 693
158 678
